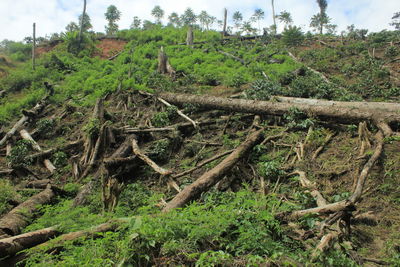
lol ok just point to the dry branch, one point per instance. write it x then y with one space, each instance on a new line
152 164
25 135
25 117
180 113
321 201
211 177
205 162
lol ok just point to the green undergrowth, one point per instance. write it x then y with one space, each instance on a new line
222 228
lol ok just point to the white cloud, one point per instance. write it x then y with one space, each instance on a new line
17 16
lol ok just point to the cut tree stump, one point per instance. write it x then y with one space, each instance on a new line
210 178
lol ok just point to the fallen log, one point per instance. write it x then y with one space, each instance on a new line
180 113
19 217
383 106
342 114
47 163
12 245
25 117
211 177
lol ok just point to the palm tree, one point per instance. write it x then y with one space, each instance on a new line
174 19
285 17
258 15
188 17
237 18
158 13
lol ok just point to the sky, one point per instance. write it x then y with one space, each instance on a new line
17 16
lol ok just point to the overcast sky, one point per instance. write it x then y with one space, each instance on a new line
17 16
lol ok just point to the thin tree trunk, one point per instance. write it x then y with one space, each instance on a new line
225 20
210 178
189 36
34 46
82 20
273 14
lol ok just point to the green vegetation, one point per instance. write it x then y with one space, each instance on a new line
234 227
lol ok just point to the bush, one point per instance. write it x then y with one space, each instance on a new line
263 89
7 193
19 152
292 36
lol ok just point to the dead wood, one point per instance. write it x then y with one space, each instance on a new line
123 151
49 152
211 177
348 204
328 138
12 245
97 117
25 117
164 67
189 36
26 136
98 149
40 184
19 217
180 113
363 136
381 106
116 55
205 162
341 114
147 160
321 201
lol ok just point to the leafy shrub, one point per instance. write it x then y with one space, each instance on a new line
391 51
263 89
19 152
270 170
60 159
45 127
7 193
197 229
295 118
160 119
159 150
292 36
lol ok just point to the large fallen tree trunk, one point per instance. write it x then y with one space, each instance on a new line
343 114
381 106
19 217
211 177
12 245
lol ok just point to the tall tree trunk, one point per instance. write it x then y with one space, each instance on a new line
225 19
33 46
82 20
273 14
